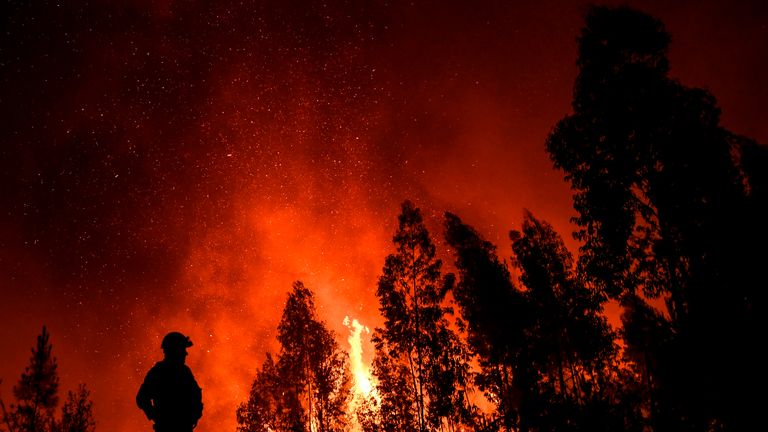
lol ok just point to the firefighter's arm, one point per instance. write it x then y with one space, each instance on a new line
144 397
197 398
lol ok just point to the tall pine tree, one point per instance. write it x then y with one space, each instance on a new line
37 391
77 412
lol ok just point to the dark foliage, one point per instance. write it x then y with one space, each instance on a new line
496 315
77 412
553 363
308 387
37 397
666 201
579 383
421 364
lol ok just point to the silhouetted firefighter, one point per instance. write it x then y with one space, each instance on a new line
170 396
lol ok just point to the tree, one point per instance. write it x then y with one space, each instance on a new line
312 360
77 412
308 387
396 405
496 316
648 337
36 392
664 212
569 342
268 407
37 396
547 357
426 359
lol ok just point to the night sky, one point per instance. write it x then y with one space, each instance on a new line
175 165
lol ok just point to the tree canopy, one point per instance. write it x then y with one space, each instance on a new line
37 397
666 202
307 388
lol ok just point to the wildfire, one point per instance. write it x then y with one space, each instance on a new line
363 385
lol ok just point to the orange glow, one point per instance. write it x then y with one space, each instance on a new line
177 167
236 298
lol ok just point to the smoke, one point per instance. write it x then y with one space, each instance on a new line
177 165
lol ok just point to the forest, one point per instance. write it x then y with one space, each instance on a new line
671 211
670 222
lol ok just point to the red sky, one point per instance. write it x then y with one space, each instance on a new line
176 166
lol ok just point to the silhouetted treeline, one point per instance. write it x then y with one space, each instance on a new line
37 398
672 212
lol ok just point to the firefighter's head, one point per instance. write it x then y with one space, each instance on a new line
175 345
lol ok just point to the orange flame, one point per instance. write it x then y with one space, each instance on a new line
363 385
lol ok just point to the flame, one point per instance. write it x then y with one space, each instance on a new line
363 385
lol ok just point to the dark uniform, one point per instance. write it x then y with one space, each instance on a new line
170 395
